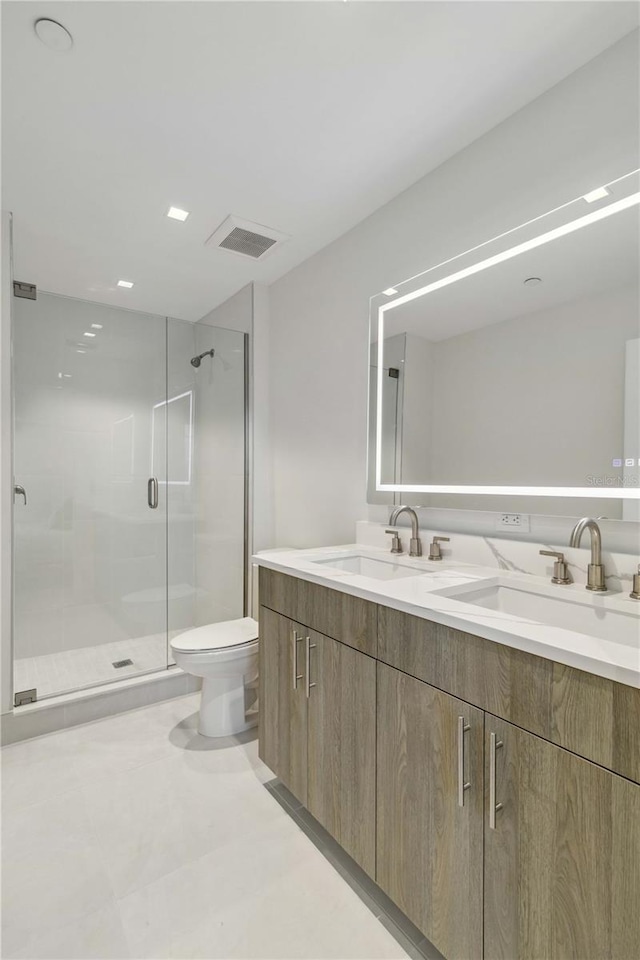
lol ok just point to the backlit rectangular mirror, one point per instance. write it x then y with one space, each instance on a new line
513 370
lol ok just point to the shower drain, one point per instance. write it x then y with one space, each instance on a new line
122 663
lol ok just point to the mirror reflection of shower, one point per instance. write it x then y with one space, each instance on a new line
196 361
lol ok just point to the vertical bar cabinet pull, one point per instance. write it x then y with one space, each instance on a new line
309 647
295 640
494 744
462 785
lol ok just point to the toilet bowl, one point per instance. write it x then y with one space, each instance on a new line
225 655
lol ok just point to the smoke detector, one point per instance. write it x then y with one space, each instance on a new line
246 239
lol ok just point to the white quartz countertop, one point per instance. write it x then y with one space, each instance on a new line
611 649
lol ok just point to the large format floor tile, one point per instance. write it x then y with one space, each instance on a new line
97 936
37 770
53 874
134 837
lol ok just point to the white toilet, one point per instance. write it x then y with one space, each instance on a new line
225 655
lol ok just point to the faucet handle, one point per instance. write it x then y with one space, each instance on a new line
560 569
434 549
396 543
635 590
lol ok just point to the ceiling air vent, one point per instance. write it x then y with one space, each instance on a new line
245 238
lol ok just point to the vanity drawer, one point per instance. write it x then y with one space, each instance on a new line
592 716
338 615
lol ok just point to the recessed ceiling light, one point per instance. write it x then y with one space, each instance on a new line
96 326
389 292
177 214
599 194
88 333
67 376
532 281
81 351
53 34
125 283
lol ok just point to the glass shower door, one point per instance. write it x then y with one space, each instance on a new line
90 534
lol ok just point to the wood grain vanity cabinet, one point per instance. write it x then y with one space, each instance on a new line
283 701
341 785
429 818
318 728
562 853
492 794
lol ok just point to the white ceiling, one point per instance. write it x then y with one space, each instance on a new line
305 117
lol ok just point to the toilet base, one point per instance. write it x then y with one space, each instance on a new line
222 707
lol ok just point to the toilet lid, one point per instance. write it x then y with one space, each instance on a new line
215 636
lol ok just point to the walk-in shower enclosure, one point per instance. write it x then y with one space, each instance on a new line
132 524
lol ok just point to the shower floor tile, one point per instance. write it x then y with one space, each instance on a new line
156 842
56 673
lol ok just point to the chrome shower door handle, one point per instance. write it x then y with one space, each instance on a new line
152 492
19 491
462 785
494 745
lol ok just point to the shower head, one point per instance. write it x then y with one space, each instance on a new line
196 361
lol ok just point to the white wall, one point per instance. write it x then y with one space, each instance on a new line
542 156
262 500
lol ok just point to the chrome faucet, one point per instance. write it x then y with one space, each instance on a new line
415 547
595 570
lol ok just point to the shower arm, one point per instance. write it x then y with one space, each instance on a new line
196 361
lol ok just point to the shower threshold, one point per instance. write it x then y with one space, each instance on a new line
93 703
53 674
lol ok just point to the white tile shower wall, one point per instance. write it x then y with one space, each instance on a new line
219 458
319 311
181 488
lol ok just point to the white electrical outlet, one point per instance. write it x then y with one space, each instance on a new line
512 521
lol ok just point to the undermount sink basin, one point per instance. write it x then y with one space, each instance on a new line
569 611
370 567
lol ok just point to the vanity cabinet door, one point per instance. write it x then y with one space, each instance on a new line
562 853
283 700
429 828
341 791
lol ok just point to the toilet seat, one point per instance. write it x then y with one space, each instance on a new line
217 636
